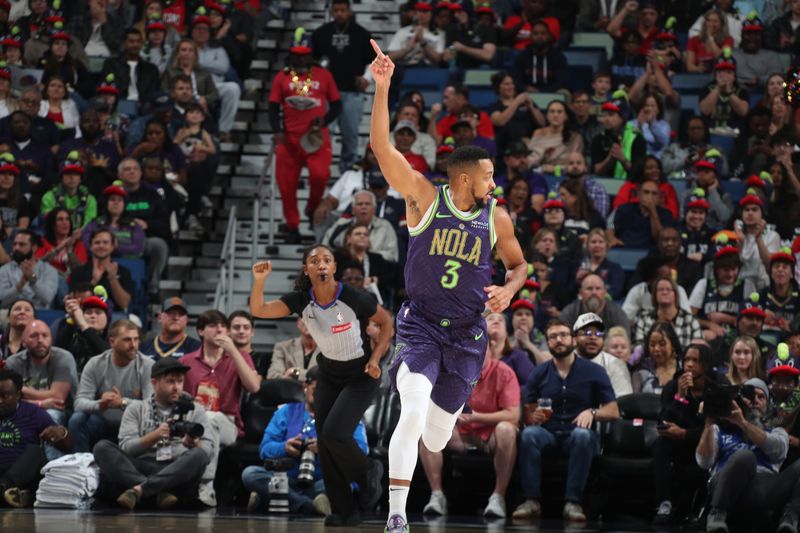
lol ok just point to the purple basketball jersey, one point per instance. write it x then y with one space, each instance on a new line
449 260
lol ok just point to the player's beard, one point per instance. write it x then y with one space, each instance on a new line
480 203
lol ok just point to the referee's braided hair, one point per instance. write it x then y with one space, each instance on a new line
302 282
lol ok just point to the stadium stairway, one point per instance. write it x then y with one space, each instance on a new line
193 272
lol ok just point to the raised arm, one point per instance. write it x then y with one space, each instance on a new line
258 307
418 192
511 255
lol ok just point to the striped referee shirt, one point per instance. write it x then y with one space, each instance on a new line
339 328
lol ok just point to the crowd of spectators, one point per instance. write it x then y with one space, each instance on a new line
117 145
700 196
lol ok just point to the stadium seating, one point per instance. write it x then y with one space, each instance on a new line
627 258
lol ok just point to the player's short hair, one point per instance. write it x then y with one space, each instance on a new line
465 157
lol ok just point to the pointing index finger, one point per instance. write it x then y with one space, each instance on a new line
376 48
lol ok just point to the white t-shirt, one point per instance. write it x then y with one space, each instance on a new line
640 299
133 90
617 372
350 183
96 47
405 35
752 266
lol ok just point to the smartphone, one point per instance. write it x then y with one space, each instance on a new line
662 426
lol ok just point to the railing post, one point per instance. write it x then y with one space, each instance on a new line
271 240
227 261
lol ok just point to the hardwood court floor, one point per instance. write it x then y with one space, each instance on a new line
232 521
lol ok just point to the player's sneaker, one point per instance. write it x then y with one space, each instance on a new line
396 524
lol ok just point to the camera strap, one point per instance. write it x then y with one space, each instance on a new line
158 416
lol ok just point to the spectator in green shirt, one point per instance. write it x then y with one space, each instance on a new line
70 194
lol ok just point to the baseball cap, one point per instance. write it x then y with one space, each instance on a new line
517 148
167 365
375 178
174 301
161 102
405 124
587 319
311 374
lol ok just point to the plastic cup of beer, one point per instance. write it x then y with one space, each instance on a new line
546 405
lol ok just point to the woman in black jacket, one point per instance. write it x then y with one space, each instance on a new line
85 331
680 424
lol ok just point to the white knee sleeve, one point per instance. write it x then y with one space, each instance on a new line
415 397
439 426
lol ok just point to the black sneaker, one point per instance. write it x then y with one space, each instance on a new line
716 521
293 237
337 520
370 493
788 523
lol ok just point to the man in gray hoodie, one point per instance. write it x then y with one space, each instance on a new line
109 382
163 448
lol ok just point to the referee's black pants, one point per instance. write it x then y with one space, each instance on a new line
342 395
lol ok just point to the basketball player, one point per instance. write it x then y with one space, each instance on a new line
441 334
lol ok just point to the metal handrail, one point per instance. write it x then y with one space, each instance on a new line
267 171
227 268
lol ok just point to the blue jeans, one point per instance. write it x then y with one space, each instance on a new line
60 418
348 120
579 445
87 430
301 499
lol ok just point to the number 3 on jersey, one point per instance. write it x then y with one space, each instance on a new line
450 279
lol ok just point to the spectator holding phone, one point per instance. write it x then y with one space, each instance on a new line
680 425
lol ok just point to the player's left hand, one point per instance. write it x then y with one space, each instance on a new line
499 297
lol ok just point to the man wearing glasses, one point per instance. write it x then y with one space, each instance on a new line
580 394
589 332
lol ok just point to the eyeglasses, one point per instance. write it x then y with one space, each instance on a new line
556 336
591 333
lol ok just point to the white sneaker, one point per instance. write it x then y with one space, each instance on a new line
573 512
528 509
496 506
322 504
437 504
253 502
205 493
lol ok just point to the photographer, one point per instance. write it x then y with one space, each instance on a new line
284 439
745 457
162 448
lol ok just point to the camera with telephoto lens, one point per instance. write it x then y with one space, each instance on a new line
307 465
307 458
717 399
180 427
